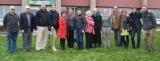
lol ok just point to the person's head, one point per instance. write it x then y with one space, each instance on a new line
94 10
106 13
115 9
53 8
43 6
79 11
144 9
63 13
88 13
27 8
124 13
71 12
134 10
12 9
127 14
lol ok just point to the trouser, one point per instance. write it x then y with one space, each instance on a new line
42 36
27 40
97 38
79 38
11 41
54 38
106 36
134 31
89 40
149 33
70 38
124 41
117 37
62 44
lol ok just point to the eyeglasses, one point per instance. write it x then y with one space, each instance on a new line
12 9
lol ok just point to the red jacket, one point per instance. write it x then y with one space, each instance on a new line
89 28
62 28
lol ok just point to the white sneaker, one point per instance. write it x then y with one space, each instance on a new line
54 49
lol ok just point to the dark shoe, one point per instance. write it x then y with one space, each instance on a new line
29 50
152 49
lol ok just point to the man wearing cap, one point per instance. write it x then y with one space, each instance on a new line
27 25
10 23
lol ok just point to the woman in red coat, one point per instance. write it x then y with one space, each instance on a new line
62 29
89 29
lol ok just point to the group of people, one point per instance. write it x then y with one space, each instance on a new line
71 27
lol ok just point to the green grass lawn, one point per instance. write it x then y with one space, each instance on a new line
95 54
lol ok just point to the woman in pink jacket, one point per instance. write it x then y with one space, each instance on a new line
89 29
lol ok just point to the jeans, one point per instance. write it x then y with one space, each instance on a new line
106 36
117 37
79 38
134 31
11 41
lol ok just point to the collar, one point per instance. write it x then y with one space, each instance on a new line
12 14
42 10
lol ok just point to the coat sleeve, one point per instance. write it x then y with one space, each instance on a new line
83 21
60 23
21 22
90 22
5 21
100 21
153 20
37 15
34 22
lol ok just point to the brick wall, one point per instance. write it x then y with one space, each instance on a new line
154 4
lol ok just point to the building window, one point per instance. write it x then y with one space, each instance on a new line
5 9
156 12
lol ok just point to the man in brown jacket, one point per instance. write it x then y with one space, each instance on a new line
116 25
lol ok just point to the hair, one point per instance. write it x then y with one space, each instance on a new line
88 12
124 11
54 5
63 11
27 6
115 6
144 6
11 7
79 9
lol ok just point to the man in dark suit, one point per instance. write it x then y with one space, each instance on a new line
136 26
27 25
98 27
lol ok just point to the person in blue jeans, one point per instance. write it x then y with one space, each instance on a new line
10 23
136 27
79 28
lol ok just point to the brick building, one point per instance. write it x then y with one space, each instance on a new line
84 4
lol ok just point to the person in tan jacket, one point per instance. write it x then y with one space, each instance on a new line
116 25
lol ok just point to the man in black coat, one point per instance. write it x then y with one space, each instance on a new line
27 25
42 22
136 27
54 15
98 27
